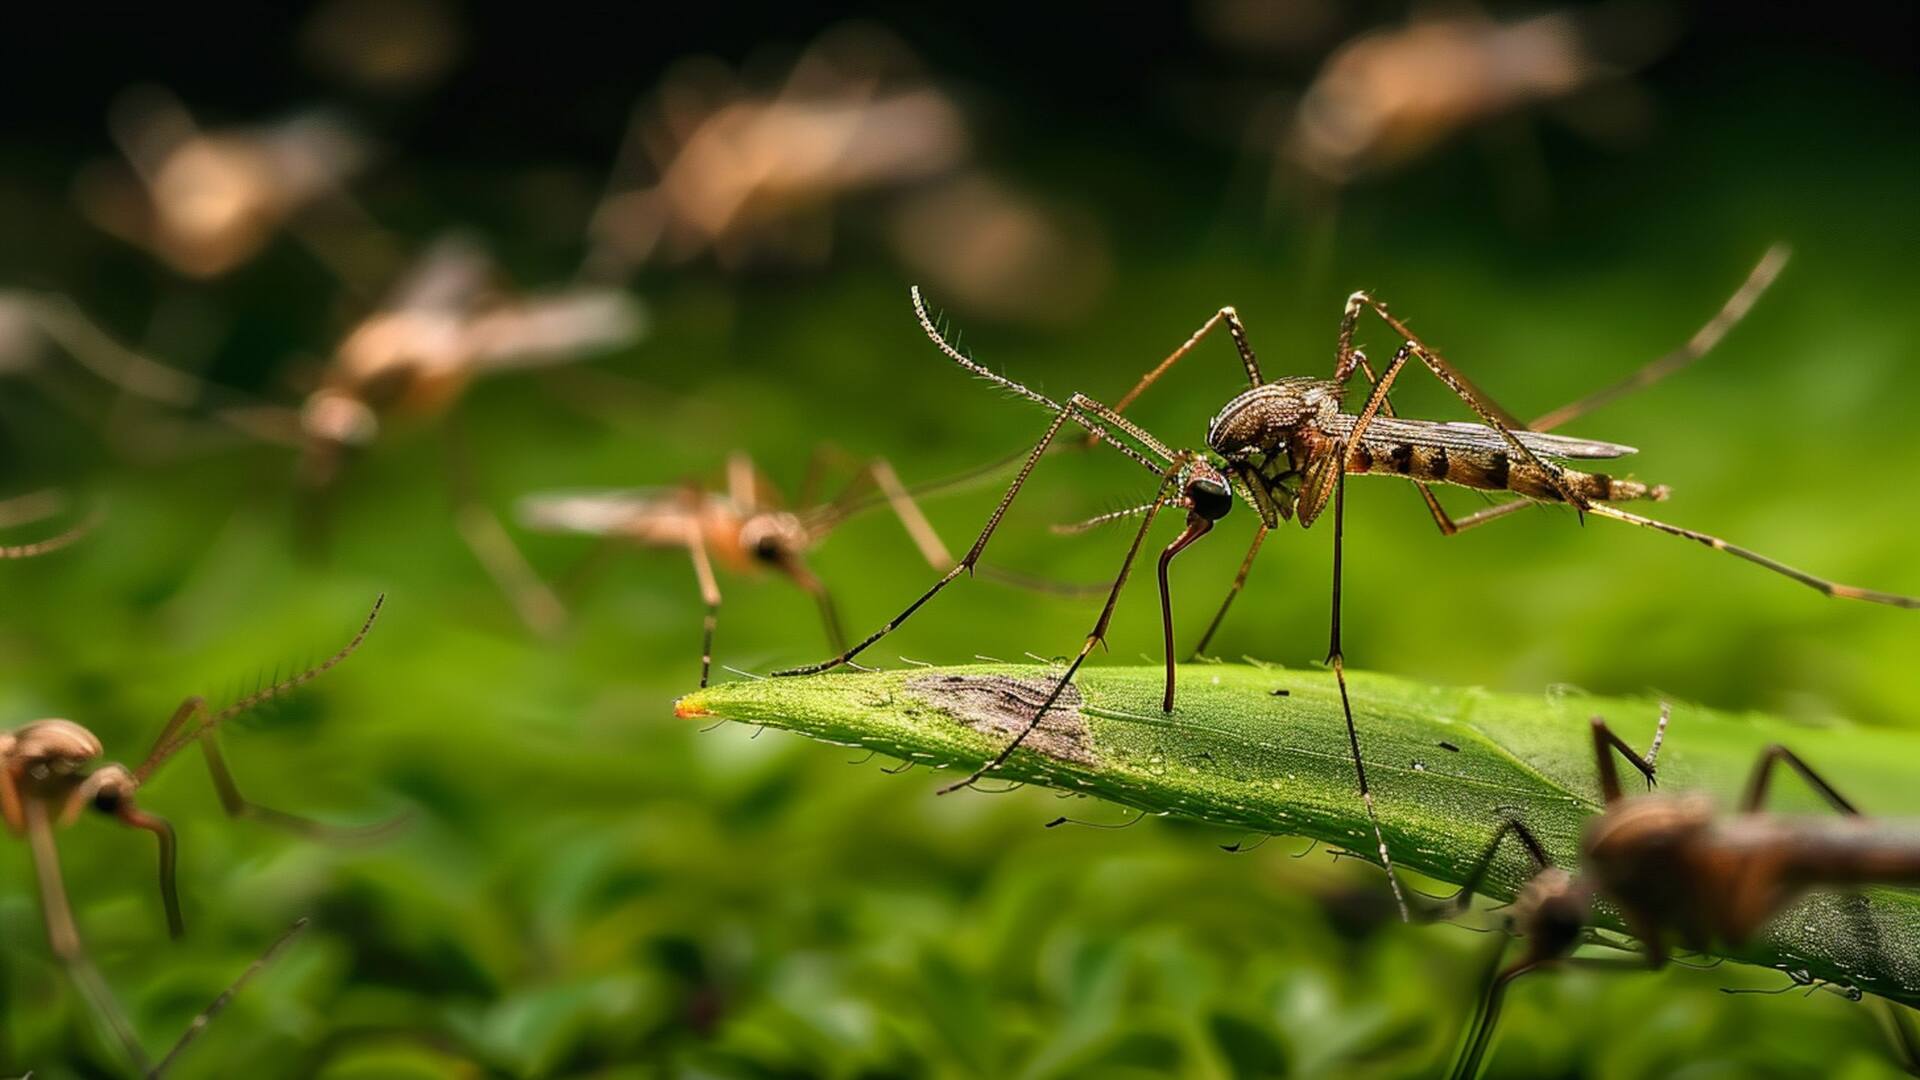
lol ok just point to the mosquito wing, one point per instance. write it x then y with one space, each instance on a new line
543 331
609 511
1457 435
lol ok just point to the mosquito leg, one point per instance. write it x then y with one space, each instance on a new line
1702 342
1513 827
1604 739
1759 784
1338 663
239 806
1096 637
12 808
199 1023
709 595
63 936
1071 410
1225 315
1489 412
911 518
538 606
493 548
804 577
187 710
743 480
129 814
1480 1034
1239 581
1447 525
1830 588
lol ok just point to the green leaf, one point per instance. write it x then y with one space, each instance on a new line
1447 764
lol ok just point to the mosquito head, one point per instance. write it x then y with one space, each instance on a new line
1207 491
1553 910
109 789
339 419
773 538
1265 419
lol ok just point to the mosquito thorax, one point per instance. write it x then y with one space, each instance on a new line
1268 418
1639 850
47 755
59 745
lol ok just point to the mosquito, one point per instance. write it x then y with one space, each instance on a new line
1392 94
750 526
445 324
749 174
1674 868
206 202
50 775
1286 447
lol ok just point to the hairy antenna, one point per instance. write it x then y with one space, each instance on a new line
965 361
256 699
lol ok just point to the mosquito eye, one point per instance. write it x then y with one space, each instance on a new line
107 800
1210 499
767 547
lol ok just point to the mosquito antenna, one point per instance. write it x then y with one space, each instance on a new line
1486 1017
929 324
206 1016
1079 416
256 699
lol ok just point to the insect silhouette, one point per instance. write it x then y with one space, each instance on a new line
206 202
50 776
1390 95
1675 868
445 324
750 527
1286 447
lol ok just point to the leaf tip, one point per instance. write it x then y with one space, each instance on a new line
692 707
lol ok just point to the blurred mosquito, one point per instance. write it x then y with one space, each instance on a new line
1285 448
1390 95
749 526
748 173
445 324
205 202
1673 867
50 776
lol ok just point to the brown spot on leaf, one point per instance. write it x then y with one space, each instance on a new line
1002 706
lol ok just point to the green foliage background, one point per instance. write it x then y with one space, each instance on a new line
592 888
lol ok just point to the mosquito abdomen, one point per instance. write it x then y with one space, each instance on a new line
1492 470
